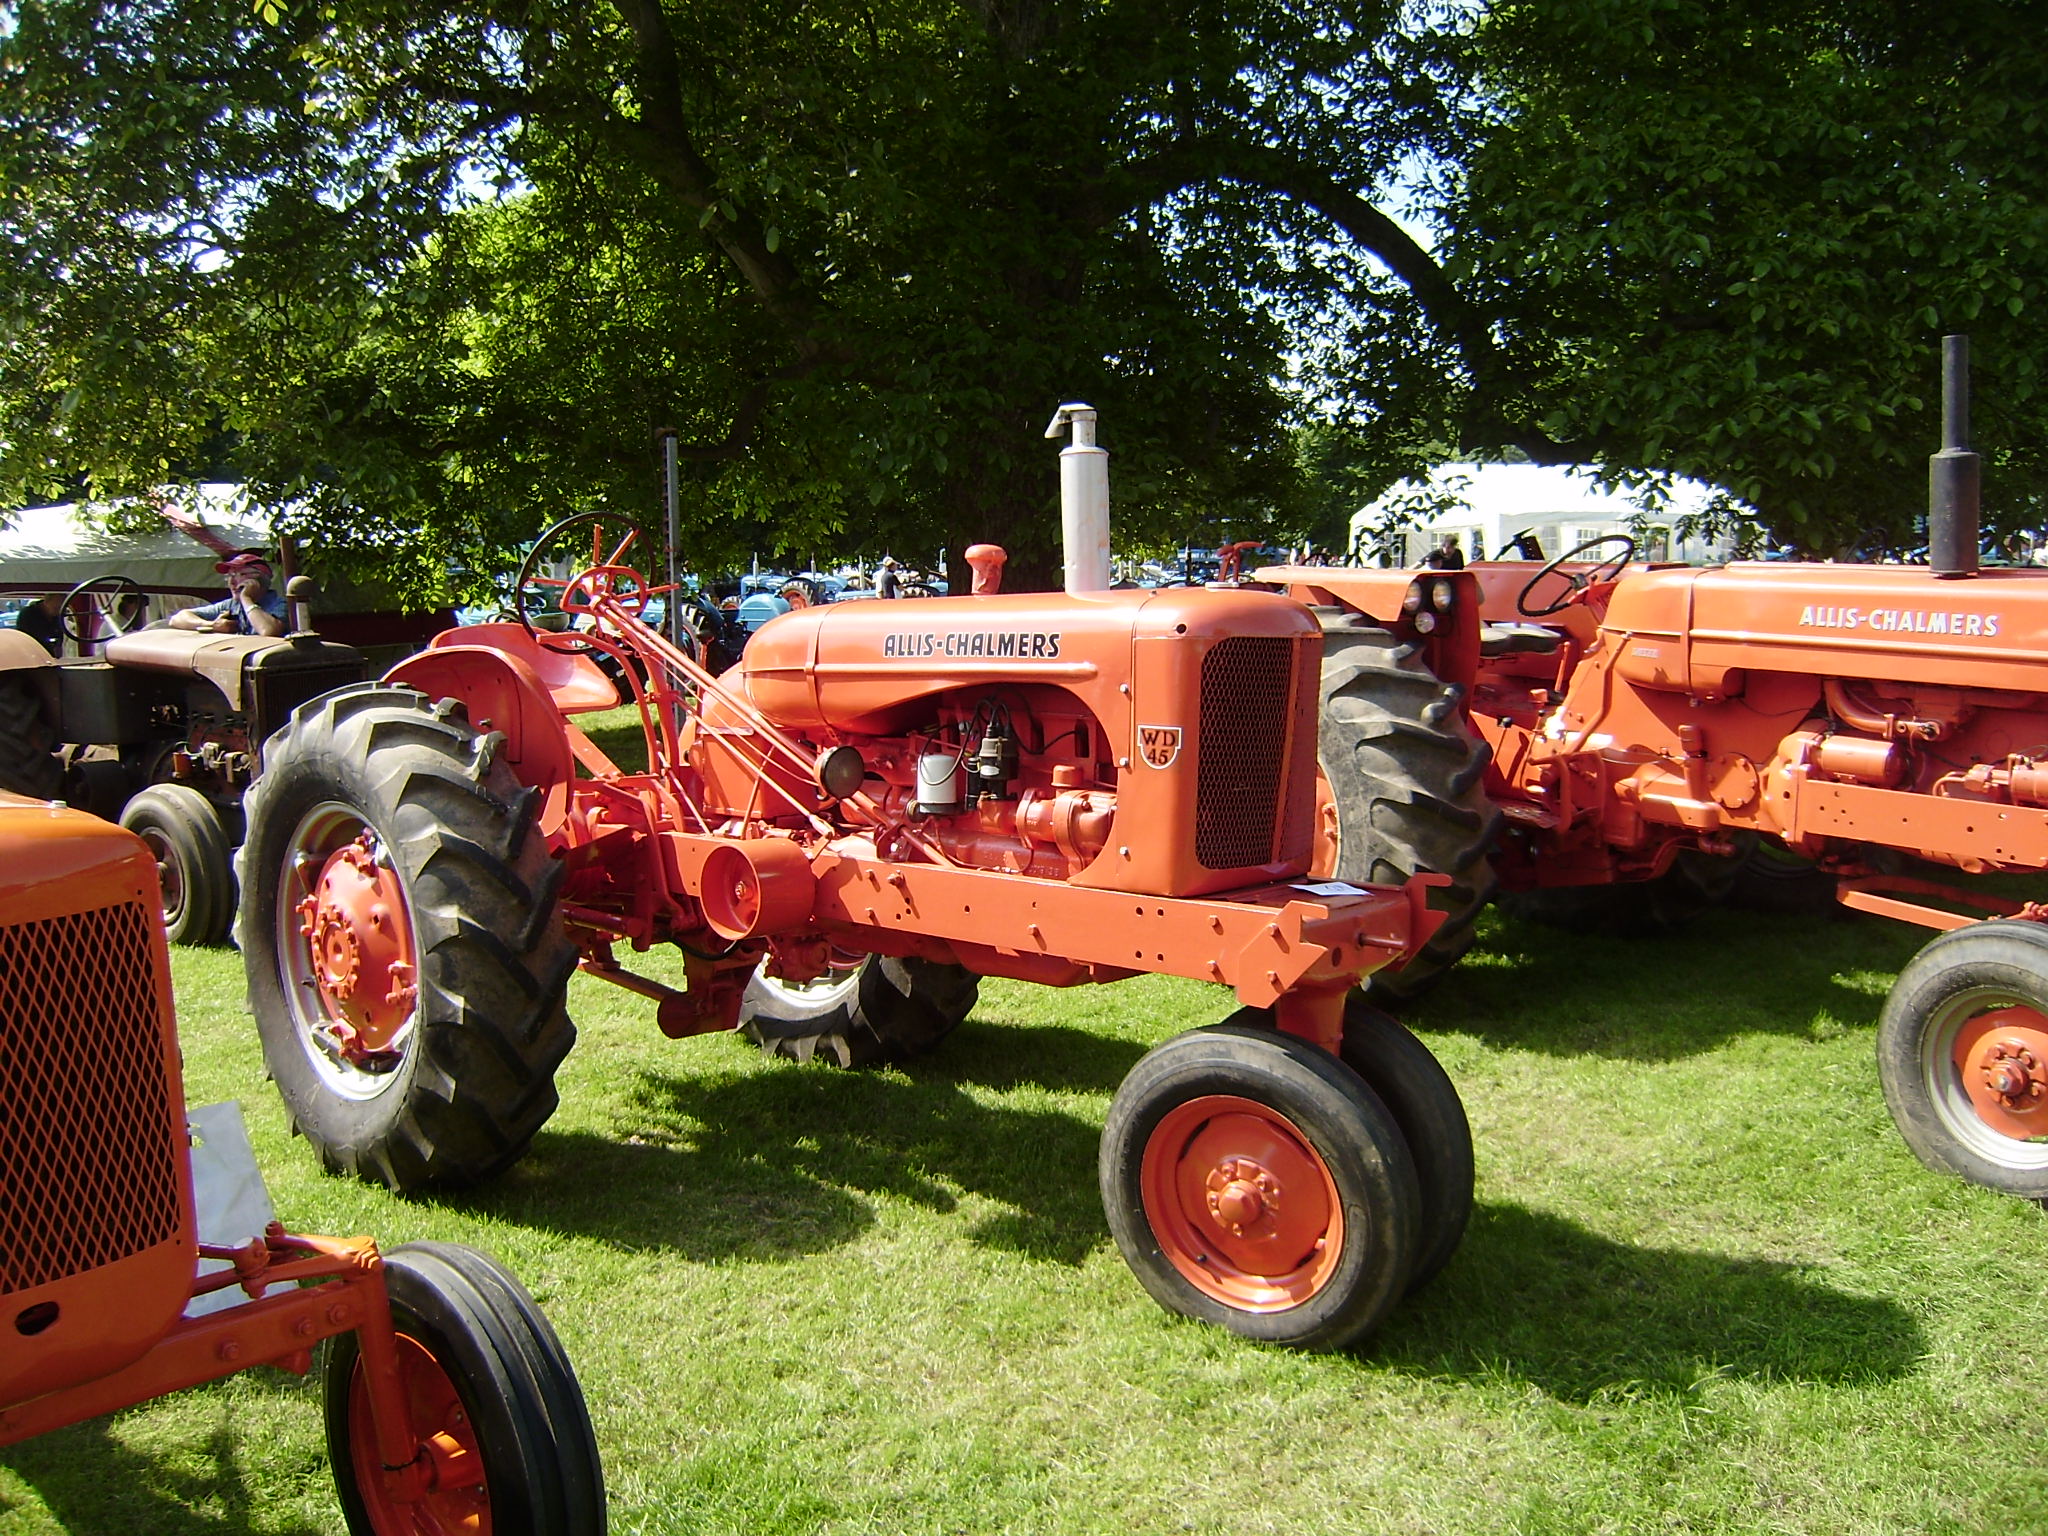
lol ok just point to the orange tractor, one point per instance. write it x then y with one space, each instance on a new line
882 804
1598 721
449 1403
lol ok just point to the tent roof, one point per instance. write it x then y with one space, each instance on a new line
56 547
1529 494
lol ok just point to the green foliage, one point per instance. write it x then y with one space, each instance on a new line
1724 239
442 271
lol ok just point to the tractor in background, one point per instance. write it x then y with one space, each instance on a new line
161 730
1599 727
450 1405
883 803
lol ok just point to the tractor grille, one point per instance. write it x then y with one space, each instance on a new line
88 1162
1247 710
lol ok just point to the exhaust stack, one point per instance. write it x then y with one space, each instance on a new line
1952 475
1084 501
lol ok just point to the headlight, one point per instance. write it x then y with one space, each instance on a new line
1413 599
1442 592
1424 623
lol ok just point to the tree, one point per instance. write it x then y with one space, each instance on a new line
1723 237
443 269
855 258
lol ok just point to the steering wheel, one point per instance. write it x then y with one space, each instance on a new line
1576 582
605 574
107 594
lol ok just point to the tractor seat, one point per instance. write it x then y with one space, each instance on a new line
572 679
1518 639
218 659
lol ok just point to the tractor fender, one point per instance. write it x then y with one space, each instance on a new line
502 693
25 654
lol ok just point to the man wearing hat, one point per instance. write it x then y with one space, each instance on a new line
888 582
250 608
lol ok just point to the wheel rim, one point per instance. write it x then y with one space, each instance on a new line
1240 1203
455 1497
346 946
819 995
170 873
1984 1061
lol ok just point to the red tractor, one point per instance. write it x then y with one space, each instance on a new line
1596 722
882 804
450 1405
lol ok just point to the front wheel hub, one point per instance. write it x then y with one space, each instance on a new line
359 941
2002 1059
1241 1204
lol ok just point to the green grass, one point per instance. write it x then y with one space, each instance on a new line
1706 1289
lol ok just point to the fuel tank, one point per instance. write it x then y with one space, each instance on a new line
1205 701
1697 630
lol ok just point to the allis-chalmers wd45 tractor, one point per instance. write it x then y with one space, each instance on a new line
450 1406
885 802
1622 723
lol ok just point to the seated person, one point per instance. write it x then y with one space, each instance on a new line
43 620
250 608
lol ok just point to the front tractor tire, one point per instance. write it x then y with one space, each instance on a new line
195 876
1406 777
491 1402
876 1010
1256 1182
1962 1051
406 967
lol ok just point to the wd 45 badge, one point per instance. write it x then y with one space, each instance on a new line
1159 745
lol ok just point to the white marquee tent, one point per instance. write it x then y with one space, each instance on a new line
53 549
1486 505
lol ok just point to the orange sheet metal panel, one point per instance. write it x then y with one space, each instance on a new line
96 1236
1894 623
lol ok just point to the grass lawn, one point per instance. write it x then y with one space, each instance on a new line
1706 1289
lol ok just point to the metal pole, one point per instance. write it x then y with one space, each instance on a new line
672 613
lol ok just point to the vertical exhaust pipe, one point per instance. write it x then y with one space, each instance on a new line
1953 499
1084 501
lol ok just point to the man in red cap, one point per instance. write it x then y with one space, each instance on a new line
250 608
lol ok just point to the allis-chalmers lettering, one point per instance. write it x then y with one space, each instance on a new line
968 642
1915 621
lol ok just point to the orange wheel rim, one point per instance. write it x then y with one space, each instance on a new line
2002 1057
1240 1203
455 1498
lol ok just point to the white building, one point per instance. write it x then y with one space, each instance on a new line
1488 505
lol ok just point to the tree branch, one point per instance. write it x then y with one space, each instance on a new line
1210 157
682 166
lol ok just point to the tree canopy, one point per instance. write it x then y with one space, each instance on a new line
442 270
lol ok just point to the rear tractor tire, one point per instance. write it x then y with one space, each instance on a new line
406 967
1962 1050
184 834
491 1402
1406 774
1256 1182
28 761
1633 909
877 1010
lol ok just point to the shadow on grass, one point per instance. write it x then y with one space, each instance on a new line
1536 1298
1724 975
776 1164
90 1481
1001 1053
